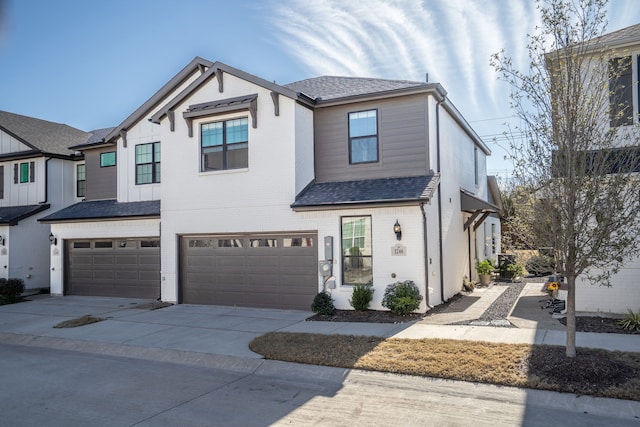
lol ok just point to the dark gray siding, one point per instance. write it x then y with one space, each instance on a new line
402 140
101 182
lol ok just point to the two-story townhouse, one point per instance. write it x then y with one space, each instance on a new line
109 243
272 193
624 118
37 176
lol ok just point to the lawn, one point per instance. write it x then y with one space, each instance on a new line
593 372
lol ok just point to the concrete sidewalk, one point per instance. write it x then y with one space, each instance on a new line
227 331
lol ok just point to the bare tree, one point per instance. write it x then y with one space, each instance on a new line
577 144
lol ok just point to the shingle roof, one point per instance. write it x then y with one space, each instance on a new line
333 87
381 190
103 209
41 135
11 215
96 137
628 34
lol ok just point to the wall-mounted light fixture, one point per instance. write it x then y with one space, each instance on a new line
398 230
53 239
2 240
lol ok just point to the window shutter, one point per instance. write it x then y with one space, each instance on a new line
32 171
1 182
15 173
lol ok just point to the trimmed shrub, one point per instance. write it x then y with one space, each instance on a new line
539 265
361 297
323 304
402 297
514 271
10 290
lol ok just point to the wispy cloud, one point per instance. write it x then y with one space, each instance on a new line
452 40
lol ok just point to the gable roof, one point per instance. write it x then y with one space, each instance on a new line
403 190
96 138
217 70
328 88
104 209
40 135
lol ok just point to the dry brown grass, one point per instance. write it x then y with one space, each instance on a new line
593 372
80 321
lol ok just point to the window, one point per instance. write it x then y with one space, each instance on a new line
356 250
23 172
620 91
148 163
225 145
107 159
363 137
476 166
81 180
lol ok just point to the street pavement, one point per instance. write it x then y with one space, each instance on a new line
214 339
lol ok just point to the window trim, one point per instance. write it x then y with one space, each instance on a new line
155 164
225 146
352 139
115 159
78 181
343 257
634 90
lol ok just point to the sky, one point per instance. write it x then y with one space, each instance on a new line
90 64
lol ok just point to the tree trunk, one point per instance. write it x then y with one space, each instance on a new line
571 317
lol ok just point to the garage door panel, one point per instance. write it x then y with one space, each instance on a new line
103 267
279 271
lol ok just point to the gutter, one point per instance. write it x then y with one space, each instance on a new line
440 238
46 182
426 256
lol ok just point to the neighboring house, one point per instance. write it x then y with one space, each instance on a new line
268 194
37 177
625 96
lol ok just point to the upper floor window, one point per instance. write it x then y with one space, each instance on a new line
107 159
148 163
224 145
621 94
476 166
81 180
363 137
24 172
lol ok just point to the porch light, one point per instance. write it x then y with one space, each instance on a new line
2 240
53 239
398 230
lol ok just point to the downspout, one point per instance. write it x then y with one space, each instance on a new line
439 199
426 255
46 182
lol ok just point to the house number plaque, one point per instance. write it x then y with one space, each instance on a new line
398 250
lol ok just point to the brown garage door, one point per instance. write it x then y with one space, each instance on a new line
113 267
270 271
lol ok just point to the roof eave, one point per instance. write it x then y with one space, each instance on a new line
434 89
98 219
359 204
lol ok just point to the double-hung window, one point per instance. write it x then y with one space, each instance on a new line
148 163
621 91
356 250
81 180
224 145
363 137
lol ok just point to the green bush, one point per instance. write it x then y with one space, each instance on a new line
361 297
514 270
323 304
402 297
484 267
10 290
539 265
631 321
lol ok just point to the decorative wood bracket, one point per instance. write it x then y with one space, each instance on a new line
123 135
275 97
219 78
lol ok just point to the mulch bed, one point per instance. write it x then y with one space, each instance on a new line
372 316
603 325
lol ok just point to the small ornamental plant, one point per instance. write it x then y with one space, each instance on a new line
484 267
361 297
402 297
323 304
